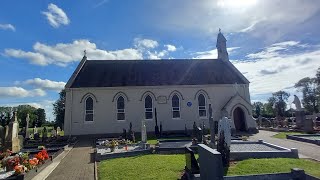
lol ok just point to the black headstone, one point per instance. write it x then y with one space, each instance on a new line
192 165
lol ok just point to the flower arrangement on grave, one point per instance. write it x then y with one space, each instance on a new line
42 156
5 154
194 141
20 163
113 145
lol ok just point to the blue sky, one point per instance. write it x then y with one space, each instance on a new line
273 43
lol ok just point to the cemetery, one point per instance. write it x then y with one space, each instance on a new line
24 154
221 157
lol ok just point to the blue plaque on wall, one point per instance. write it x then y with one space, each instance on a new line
189 104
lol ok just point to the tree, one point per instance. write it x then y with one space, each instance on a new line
41 117
22 111
257 109
59 108
318 77
308 87
268 107
279 100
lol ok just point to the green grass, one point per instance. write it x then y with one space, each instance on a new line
157 166
143 167
282 135
274 165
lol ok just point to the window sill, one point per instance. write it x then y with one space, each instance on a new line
148 119
177 119
88 122
121 120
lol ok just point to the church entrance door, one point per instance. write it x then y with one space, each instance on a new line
239 119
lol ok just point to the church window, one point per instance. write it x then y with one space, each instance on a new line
148 107
89 110
120 108
202 106
175 106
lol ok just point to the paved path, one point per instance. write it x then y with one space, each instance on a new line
78 164
306 150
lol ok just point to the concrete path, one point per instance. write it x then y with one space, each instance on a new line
78 164
306 150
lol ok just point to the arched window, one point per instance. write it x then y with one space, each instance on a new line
148 107
89 109
202 105
120 108
175 106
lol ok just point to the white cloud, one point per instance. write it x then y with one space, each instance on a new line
35 58
45 84
170 47
145 43
62 54
56 16
7 27
277 67
212 54
19 92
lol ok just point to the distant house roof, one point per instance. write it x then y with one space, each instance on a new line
115 73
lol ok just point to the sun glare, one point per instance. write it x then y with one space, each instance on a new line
236 3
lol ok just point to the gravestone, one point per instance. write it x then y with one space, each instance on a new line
58 131
27 136
308 125
224 140
212 128
143 132
35 130
210 163
53 133
44 134
124 133
199 134
194 130
2 135
191 162
11 139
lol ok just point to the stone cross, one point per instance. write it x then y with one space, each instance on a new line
212 133
27 126
143 132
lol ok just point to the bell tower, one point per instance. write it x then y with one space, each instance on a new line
222 47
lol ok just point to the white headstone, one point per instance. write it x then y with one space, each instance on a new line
225 126
53 133
143 132
27 126
58 131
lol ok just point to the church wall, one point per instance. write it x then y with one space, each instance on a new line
105 120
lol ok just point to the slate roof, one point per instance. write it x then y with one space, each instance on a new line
115 73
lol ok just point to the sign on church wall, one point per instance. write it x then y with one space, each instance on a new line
162 100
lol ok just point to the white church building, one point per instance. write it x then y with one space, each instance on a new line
104 96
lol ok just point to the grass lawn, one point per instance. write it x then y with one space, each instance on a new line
157 166
282 135
274 165
152 166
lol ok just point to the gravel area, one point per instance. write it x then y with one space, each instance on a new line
251 147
